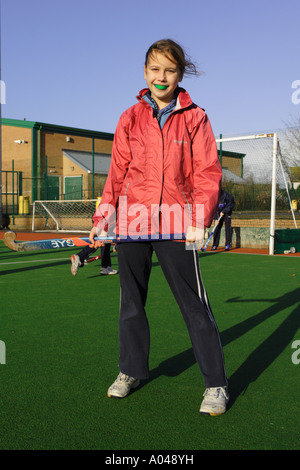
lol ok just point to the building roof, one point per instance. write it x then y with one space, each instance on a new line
56 128
85 160
227 153
229 176
102 163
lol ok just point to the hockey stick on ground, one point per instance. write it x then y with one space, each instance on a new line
90 260
71 242
211 233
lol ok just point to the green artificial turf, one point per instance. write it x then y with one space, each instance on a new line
61 338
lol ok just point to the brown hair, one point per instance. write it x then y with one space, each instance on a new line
175 53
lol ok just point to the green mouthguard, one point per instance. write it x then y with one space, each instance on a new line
161 87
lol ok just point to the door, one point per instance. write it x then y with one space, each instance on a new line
73 187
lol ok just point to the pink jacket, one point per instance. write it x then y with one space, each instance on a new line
176 166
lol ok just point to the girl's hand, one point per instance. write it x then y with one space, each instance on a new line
194 238
93 234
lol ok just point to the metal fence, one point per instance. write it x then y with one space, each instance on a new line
250 196
256 197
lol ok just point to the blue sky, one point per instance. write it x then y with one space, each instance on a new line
80 63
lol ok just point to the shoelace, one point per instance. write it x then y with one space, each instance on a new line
124 378
121 377
214 392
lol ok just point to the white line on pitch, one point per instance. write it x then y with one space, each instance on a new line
36 261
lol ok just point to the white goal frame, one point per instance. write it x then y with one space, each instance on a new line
59 226
276 154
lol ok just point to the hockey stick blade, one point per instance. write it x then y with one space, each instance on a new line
71 242
9 240
48 244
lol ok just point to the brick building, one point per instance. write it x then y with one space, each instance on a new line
43 161
46 161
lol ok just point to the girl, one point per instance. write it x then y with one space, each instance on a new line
164 155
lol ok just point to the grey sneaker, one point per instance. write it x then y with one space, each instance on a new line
215 401
122 386
76 263
108 270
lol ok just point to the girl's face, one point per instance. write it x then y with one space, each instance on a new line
162 77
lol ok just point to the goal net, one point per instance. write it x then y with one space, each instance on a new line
256 173
63 215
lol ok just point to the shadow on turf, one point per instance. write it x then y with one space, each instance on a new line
259 359
116 267
174 365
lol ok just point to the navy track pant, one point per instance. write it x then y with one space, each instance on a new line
217 233
105 254
182 271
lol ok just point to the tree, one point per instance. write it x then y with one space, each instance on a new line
291 146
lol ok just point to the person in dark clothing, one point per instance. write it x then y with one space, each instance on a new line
78 261
226 205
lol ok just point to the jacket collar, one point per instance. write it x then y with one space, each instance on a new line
183 99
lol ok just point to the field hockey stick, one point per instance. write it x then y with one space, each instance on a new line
47 244
71 242
90 260
211 233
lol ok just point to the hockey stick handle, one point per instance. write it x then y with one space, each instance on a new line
212 232
138 238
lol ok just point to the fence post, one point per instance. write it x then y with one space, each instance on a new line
6 203
13 189
20 174
33 164
46 179
273 198
93 168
